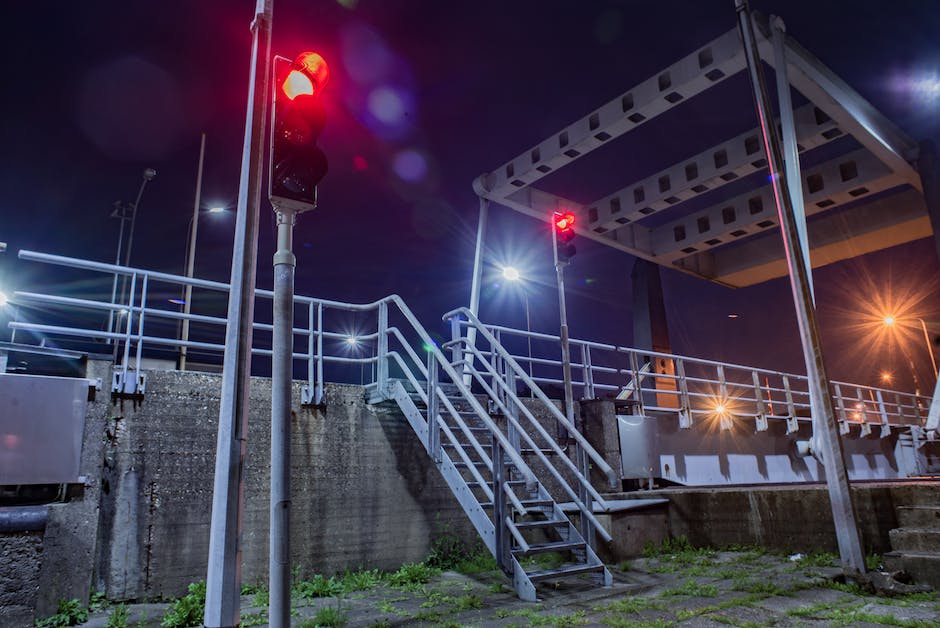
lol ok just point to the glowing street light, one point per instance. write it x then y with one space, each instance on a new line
4 299
352 341
890 321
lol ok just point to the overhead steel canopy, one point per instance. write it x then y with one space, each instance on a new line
863 200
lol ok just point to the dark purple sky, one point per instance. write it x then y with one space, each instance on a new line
426 95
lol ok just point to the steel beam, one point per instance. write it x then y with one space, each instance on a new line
885 222
851 177
852 113
702 173
690 76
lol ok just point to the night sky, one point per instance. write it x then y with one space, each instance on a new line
424 96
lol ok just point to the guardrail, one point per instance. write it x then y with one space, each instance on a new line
695 388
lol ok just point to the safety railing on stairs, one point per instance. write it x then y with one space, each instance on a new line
496 372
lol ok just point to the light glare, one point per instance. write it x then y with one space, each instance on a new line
512 274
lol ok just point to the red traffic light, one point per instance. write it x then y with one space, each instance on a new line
564 234
297 163
564 221
309 75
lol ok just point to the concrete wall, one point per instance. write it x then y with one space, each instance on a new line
787 518
20 559
364 491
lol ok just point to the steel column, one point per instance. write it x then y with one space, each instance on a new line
477 280
843 511
281 378
223 577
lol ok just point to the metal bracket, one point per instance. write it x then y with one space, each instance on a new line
844 427
793 425
311 396
865 429
760 422
885 430
128 383
685 419
725 421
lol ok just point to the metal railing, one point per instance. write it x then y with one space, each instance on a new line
694 388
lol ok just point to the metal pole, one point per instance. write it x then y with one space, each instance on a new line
223 577
791 152
824 423
281 378
191 256
933 359
476 282
149 174
117 262
528 328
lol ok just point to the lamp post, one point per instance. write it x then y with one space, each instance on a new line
192 229
512 274
891 321
121 211
933 358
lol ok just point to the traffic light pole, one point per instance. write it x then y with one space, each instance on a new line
223 575
587 530
281 378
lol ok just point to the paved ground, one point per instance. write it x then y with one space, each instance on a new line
677 586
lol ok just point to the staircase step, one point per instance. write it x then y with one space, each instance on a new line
565 570
554 546
544 523
922 567
920 540
918 516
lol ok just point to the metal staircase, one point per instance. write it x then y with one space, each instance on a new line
498 454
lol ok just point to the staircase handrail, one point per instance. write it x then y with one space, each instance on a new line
592 453
457 380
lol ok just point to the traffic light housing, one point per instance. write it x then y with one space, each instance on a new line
563 223
297 163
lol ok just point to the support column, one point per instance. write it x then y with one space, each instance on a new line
650 330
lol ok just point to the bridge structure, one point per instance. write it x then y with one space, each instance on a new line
502 442
826 181
520 465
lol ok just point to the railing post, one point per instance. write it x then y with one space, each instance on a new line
382 349
793 424
455 347
685 409
434 430
840 401
724 417
501 541
637 382
511 432
761 416
140 327
128 322
885 427
588 372
318 381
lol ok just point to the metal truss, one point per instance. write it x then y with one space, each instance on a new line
706 241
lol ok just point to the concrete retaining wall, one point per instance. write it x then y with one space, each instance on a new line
364 491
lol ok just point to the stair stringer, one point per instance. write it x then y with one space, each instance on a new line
458 486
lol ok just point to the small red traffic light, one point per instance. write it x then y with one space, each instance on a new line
564 234
564 221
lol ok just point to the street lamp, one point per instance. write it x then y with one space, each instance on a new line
126 212
890 321
192 229
512 274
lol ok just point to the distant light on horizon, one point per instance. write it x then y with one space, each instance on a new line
177 301
218 209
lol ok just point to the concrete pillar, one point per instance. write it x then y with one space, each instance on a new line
599 419
650 330
929 171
